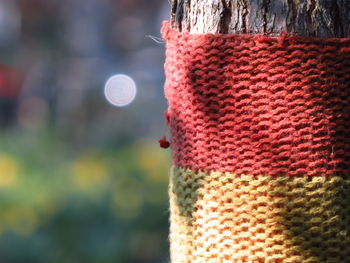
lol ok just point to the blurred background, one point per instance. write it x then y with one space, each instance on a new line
82 176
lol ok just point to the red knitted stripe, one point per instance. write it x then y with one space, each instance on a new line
258 105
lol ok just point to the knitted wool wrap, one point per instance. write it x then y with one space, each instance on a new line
261 148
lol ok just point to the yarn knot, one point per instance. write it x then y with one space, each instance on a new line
163 143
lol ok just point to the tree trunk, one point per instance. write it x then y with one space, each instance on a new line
320 18
259 130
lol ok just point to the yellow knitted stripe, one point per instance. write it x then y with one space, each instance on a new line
222 217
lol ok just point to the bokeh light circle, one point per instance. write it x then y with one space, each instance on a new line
120 90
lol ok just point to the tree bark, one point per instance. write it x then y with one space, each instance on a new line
318 18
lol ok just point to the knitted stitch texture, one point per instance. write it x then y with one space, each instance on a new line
259 105
261 147
224 217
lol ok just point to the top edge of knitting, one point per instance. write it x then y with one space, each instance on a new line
172 34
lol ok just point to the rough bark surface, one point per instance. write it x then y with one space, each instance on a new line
320 18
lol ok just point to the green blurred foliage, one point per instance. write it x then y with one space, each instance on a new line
60 204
